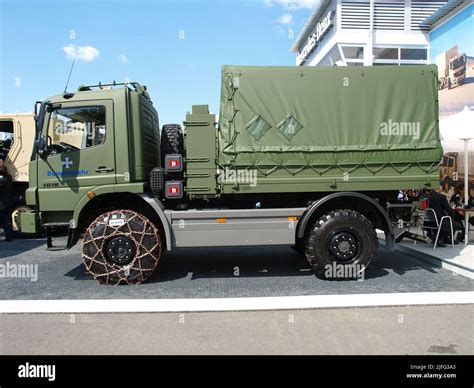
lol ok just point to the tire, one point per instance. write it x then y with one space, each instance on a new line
172 141
298 247
340 245
121 247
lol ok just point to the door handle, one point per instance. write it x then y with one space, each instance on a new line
103 169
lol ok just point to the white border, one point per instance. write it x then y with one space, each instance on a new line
234 304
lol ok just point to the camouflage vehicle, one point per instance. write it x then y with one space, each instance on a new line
306 157
17 135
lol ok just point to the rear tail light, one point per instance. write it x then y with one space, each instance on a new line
174 189
173 163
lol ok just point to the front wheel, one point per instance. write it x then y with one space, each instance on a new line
341 244
121 246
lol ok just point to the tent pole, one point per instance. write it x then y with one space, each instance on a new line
466 190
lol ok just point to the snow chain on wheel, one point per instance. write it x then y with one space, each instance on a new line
121 246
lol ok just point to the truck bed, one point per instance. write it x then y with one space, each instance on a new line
308 129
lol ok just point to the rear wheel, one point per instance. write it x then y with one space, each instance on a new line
341 244
121 246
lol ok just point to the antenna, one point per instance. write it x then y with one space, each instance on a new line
69 76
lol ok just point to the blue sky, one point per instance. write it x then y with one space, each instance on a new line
176 48
456 31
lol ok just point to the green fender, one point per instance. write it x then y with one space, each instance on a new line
134 188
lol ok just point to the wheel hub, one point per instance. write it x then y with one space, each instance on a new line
120 250
344 246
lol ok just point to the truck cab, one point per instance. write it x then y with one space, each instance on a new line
87 142
457 70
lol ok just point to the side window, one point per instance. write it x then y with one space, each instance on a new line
73 129
6 137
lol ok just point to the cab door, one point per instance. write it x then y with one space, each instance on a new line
80 153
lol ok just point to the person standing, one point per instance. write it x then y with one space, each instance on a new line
6 201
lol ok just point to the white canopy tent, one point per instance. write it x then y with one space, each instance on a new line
456 132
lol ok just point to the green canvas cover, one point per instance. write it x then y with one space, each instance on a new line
294 117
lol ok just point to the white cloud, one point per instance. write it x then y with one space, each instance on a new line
81 53
293 4
123 59
285 19
268 3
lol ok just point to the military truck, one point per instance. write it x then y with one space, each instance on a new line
17 135
452 170
306 157
451 68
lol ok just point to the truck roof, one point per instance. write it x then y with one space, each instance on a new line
103 90
12 115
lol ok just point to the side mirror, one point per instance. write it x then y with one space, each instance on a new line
41 146
37 107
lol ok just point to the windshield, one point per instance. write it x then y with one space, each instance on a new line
6 138
80 127
457 63
6 130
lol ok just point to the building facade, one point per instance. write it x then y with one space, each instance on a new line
366 32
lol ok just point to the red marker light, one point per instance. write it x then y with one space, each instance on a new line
174 189
174 163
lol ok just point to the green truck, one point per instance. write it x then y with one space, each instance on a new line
300 156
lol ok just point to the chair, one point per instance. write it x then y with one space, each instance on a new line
469 228
431 217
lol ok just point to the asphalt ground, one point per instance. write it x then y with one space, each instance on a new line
216 273
412 330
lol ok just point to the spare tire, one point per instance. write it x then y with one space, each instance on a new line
172 141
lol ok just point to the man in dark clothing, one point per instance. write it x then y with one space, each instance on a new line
439 203
6 201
